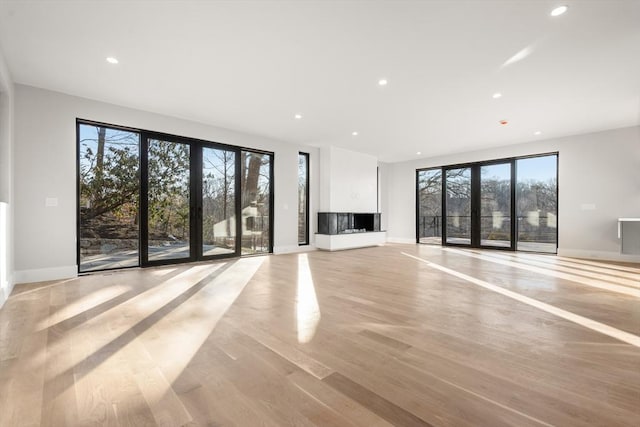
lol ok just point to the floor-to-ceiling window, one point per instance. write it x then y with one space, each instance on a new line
168 200
146 198
303 198
495 205
537 203
507 204
108 197
458 205
257 169
218 201
429 197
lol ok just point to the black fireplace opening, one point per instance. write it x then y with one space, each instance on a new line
347 222
363 221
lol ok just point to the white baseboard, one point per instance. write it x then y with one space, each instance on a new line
278 250
43 274
598 255
401 240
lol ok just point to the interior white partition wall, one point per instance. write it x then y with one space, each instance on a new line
45 167
599 181
348 181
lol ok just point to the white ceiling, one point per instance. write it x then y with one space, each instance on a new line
252 65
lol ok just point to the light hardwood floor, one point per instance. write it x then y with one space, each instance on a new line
400 335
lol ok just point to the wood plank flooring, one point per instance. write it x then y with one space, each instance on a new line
400 335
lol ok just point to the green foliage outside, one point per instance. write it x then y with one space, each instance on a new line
110 191
536 208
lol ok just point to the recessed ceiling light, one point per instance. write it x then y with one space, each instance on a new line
112 60
382 82
559 10
497 95
418 153
297 116
537 132
504 122
354 133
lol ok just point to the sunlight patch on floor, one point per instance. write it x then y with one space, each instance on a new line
567 315
179 335
621 289
307 308
82 305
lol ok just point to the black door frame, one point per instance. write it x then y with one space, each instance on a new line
195 198
476 204
475 225
195 194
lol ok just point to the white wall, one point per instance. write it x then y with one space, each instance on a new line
45 167
348 181
6 195
601 169
384 191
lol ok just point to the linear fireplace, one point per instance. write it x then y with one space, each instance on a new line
347 222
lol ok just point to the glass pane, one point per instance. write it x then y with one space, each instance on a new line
256 173
168 200
537 204
109 197
303 185
495 205
218 202
430 206
459 206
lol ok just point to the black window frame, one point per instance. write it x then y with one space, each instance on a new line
306 200
80 122
442 197
272 159
475 200
196 146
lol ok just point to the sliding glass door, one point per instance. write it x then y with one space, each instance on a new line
429 197
201 197
108 197
256 202
537 204
458 206
205 201
169 204
218 234
146 198
495 205
504 204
